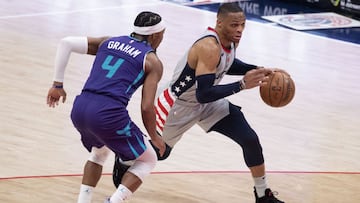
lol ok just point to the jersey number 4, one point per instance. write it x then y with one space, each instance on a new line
111 68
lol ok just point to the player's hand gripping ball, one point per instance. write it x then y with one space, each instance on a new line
279 91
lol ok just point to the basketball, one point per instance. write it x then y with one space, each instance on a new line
279 91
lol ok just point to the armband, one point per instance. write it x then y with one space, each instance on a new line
206 91
65 47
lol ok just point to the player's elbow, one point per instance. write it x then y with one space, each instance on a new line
202 97
205 88
147 109
74 44
65 44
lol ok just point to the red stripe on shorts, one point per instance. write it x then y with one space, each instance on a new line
168 98
159 116
158 125
163 109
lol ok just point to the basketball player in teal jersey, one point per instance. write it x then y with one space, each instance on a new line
122 64
195 96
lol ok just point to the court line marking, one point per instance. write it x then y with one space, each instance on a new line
192 172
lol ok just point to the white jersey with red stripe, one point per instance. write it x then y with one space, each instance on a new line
177 106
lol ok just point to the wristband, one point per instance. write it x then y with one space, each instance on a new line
58 86
242 84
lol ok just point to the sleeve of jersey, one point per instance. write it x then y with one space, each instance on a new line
239 68
207 92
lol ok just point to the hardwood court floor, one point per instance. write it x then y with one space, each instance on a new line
189 188
311 146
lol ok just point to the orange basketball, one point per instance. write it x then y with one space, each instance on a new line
279 91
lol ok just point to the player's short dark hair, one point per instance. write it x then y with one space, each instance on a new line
147 18
226 8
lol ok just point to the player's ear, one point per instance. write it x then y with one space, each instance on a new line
153 37
220 20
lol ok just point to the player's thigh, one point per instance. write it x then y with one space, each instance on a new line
180 119
212 113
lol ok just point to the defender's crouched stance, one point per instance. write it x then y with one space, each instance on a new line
122 65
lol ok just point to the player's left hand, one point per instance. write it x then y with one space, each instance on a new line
54 95
159 144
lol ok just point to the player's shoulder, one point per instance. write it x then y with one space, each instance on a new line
152 59
208 43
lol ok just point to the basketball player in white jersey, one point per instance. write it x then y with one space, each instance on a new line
195 96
